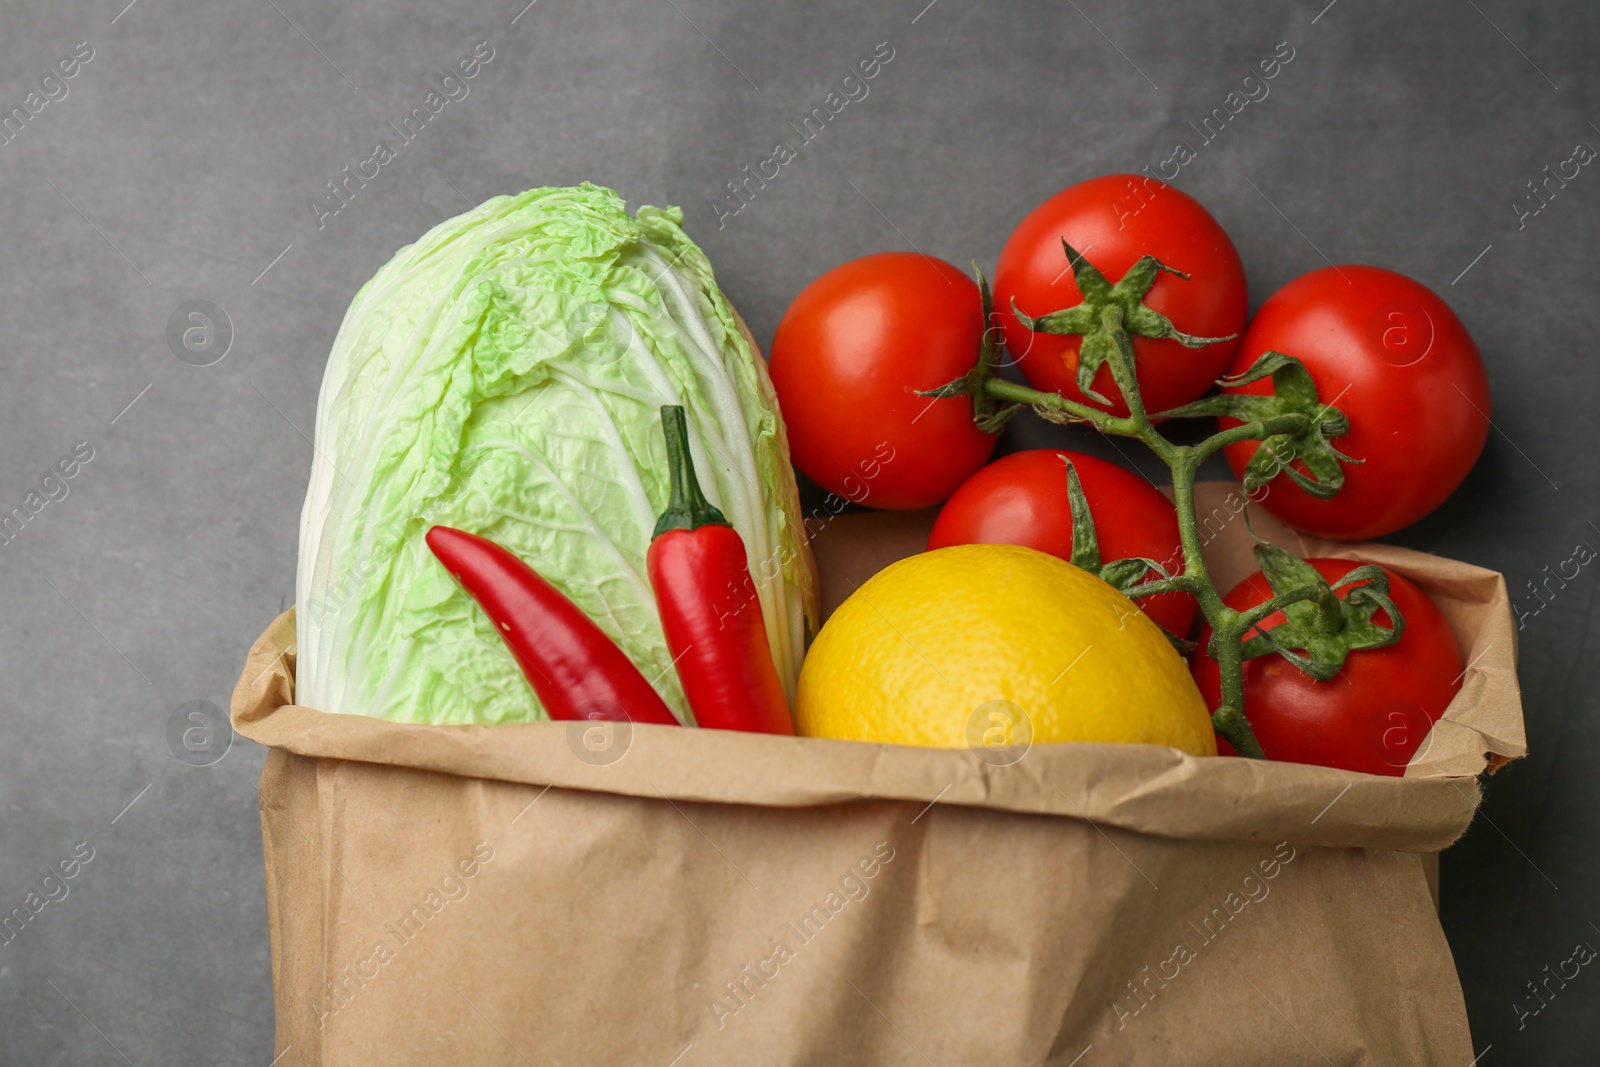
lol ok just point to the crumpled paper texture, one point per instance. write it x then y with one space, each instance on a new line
522 894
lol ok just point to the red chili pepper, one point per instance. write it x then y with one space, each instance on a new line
723 661
574 668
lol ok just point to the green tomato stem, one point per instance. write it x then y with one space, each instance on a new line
1228 626
1178 583
1054 404
1292 424
1228 720
1276 604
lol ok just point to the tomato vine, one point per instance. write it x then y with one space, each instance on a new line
1319 628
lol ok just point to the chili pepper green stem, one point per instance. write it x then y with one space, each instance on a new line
687 507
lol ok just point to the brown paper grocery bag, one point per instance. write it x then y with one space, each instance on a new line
575 894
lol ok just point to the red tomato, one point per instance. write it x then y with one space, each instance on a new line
1113 221
1374 715
847 360
1390 354
1021 499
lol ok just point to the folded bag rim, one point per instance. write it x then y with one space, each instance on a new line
1141 788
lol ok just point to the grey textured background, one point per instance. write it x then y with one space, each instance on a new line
180 165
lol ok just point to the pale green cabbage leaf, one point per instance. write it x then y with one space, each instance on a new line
504 375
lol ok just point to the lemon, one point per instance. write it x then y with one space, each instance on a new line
996 646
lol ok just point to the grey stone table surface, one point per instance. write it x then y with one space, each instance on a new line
182 161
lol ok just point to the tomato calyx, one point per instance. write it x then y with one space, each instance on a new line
1088 319
1319 628
1121 574
1291 424
988 413
1308 440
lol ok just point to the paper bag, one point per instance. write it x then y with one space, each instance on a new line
579 894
